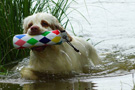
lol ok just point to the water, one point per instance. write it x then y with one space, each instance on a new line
55 85
124 82
111 29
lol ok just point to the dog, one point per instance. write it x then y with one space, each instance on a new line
56 59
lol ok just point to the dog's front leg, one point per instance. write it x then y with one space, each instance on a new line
28 73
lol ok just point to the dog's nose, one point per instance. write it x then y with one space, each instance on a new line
35 30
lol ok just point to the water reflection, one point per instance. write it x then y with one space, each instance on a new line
55 85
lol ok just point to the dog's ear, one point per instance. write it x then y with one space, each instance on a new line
24 31
56 25
24 24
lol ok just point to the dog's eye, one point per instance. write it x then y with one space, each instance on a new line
44 23
30 25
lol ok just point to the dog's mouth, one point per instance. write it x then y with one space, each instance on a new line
39 48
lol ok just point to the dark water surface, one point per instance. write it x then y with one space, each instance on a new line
53 85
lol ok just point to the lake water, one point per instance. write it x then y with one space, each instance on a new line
112 31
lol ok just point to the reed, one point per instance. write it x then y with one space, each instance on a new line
12 13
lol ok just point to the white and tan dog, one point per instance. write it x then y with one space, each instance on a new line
56 59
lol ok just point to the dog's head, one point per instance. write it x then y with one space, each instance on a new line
39 23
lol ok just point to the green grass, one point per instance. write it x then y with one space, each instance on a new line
12 13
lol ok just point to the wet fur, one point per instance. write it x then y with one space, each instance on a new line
59 59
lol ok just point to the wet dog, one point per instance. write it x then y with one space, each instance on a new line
56 59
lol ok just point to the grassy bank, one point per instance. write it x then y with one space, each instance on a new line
12 13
